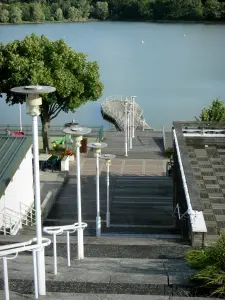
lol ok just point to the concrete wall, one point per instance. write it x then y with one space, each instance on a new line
20 189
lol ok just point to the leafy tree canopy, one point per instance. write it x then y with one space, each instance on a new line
37 60
214 112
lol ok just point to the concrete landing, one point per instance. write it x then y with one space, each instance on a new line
107 271
75 296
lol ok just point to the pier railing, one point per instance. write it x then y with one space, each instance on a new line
54 130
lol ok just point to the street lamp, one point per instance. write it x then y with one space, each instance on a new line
33 102
133 112
125 125
130 125
78 133
108 158
97 147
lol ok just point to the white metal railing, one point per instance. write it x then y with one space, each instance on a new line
11 221
14 249
27 214
58 230
164 139
203 132
9 224
196 217
119 115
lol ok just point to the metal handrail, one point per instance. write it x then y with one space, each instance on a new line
196 217
14 249
58 230
10 222
164 139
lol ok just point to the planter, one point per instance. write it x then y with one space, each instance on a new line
71 157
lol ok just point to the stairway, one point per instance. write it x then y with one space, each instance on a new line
142 205
141 266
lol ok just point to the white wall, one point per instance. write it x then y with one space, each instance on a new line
20 189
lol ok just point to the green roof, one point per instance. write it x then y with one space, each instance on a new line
12 152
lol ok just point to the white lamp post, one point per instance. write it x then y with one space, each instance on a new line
131 126
78 133
97 147
133 113
125 125
33 103
108 158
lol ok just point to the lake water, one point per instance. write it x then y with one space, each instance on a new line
176 71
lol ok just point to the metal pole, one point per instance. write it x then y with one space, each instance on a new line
125 128
21 127
98 218
55 254
108 212
37 200
80 234
130 131
128 127
6 279
133 116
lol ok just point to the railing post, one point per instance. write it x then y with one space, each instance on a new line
6 279
68 247
55 254
108 162
35 274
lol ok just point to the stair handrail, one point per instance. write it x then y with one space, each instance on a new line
14 249
196 218
25 210
58 230
164 139
13 223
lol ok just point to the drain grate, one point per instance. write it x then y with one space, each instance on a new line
207 173
203 159
213 190
221 170
204 195
209 217
210 181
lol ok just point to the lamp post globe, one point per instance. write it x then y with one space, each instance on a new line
97 148
34 101
77 134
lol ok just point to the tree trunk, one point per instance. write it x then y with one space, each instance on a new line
45 130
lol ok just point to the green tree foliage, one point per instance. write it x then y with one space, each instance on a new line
37 14
74 14
212 10
58 14
37 60
15 14
210 264
162 10
215 112
101 10
4 15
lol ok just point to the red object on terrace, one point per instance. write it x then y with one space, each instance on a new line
18 133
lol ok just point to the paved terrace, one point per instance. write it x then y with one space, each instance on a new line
203 159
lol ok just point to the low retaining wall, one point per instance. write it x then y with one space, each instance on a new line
51 196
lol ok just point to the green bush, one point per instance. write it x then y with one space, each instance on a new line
169 152
210 264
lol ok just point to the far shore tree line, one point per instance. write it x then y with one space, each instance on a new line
14 11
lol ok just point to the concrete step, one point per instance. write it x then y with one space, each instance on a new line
107 275
91 296
164 249
136 230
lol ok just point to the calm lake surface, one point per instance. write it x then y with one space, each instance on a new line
179 68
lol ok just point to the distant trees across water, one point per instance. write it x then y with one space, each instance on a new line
14 11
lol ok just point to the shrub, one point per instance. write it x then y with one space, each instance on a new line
169 152
210 263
